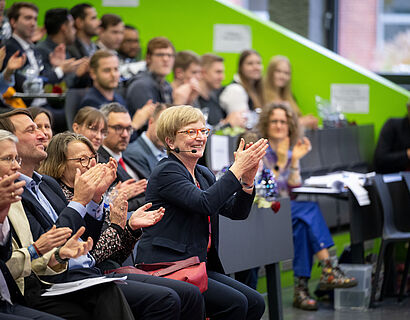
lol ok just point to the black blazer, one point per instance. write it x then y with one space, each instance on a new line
5 254
40 221
183 232
47 73
122 175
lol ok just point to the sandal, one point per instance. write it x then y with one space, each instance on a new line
334 278
302 299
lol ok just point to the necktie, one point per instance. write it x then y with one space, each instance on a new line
122 164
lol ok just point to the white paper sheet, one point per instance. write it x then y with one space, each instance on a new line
67 287
219 152
339 180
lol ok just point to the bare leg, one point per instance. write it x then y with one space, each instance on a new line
323 254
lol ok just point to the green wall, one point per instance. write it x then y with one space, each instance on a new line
189 25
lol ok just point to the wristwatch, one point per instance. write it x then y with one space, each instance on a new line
58 257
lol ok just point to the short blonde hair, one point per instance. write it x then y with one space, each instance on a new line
174 118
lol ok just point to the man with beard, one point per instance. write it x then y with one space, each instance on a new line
105 74
118 137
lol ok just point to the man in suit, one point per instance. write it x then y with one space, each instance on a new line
45 204
60 29
23 20
86 23
118 137
147 150
12 303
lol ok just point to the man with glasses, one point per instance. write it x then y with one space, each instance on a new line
118 137
151 84
105 74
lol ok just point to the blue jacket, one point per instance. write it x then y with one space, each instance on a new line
183 231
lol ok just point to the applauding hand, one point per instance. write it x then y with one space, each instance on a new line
142 218
301 148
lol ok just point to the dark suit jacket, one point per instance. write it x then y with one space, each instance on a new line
141 155
122 175
5 254
183 232
48 74
391 152
40 221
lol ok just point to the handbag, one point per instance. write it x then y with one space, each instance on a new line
190 270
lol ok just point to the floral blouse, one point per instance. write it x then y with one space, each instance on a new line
114 243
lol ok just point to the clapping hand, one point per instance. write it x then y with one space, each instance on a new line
132 187
142 218
119 209
86 184
246 162
110 173
10 192
301 148
53 238
74 248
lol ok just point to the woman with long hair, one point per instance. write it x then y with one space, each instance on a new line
279 125
245 92
277 89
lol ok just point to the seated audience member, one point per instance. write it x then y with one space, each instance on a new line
118 240
392 152
277 89
147 150
44 121
7 76
114 144
23 20
187 74
86 24
244 94
311 236
105 75
130 49
213 73
91 123
5 28
111 33
60 29
146 300
193 200
30 259
151 84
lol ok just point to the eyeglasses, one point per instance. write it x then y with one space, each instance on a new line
193 133
163 55
12 160
276 122
85 160
95 131
120 129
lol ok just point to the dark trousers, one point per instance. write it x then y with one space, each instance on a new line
228 299
105 301
19 312
160 298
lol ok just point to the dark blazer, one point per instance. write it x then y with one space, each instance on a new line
141 155
48 74
122 175
5 254
391 152
40 221
183 232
